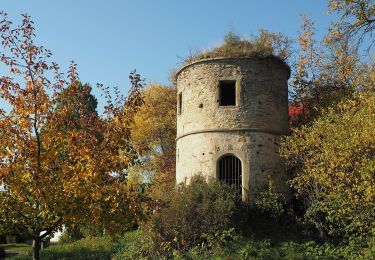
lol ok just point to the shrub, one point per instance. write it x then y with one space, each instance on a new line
71 234
200 213
13 239
266 213
265 44
269 204
334 162
76 232
133 245
245 248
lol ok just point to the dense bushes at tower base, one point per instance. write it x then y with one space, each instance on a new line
269 204
206 215
200 213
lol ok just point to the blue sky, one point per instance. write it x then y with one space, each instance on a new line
108 39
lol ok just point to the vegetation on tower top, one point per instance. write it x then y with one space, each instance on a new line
264 45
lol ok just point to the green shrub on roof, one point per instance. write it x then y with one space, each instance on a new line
265 44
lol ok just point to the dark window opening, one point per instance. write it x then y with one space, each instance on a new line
180 103
230 171
227 93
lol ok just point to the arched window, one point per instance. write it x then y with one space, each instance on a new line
230 170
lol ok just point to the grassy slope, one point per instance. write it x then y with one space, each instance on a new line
288 246
100 248
16 249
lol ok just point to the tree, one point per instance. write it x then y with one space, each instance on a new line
334 163
50 174
325 71
72 97
154 133
357 19
332 153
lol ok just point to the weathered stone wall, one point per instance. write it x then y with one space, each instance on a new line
250 130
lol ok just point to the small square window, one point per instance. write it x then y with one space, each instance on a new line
227 93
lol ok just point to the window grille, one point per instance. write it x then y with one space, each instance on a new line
230 171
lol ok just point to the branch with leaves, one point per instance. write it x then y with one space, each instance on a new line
60 162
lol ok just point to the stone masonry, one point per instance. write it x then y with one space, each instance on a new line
250 130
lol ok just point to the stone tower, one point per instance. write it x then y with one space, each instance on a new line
231 115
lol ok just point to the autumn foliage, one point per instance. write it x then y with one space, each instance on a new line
153 135
297 115
331 149
334 163
60 161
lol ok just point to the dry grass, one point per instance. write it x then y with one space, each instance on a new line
265 45
233 50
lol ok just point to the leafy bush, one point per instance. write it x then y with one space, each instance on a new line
267 211
245 248
200 213
76 232
133 245
12 239
269 204
334 161
70 234
264 45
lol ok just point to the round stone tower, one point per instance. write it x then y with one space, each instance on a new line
231 114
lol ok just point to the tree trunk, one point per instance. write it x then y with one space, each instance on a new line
36 249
